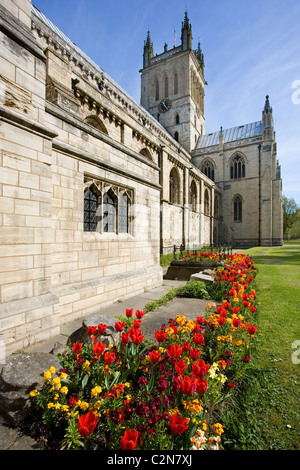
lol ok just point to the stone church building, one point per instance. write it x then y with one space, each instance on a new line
94 186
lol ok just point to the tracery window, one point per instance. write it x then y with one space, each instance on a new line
208 169
174 187
107 208
237 208
237 168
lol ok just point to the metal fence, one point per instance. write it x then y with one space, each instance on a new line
222 250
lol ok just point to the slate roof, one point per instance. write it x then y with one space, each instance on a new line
252 129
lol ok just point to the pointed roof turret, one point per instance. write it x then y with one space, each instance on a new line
148 50
186 33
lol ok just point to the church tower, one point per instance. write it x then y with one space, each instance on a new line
172 87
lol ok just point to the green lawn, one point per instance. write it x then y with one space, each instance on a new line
269 417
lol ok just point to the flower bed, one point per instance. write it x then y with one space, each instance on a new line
160 396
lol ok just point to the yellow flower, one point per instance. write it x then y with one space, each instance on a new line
47 375
50 405
52 370
65 408
33 393
95 391
127 384
84 405
218 428
64 390
63 375
180 319
56 383
86 366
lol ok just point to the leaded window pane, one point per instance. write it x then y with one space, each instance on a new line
90 210
123 213
109 211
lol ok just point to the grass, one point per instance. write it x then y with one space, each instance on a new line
267 413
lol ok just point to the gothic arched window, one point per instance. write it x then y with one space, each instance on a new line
123 210
177 119
206 202
174 186
237 208
176 136
90 210
237 168
109 211
175 84
208 169
193 196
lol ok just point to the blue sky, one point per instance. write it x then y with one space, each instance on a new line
251 49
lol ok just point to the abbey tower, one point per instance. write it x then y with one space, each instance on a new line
172 87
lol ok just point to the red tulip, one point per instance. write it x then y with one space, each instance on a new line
246 303
125 337
188 385
186 346
136 324
87 424
236 322
194 354
109 357
136 336
139 314
200 369
154 356
198 339
221 320
91 330
253 309
177 424
174 351
119 325
200 320
180 367
235 309
252 329
129 440
201 386
129 312
101 329
77 348
160 336
98 348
